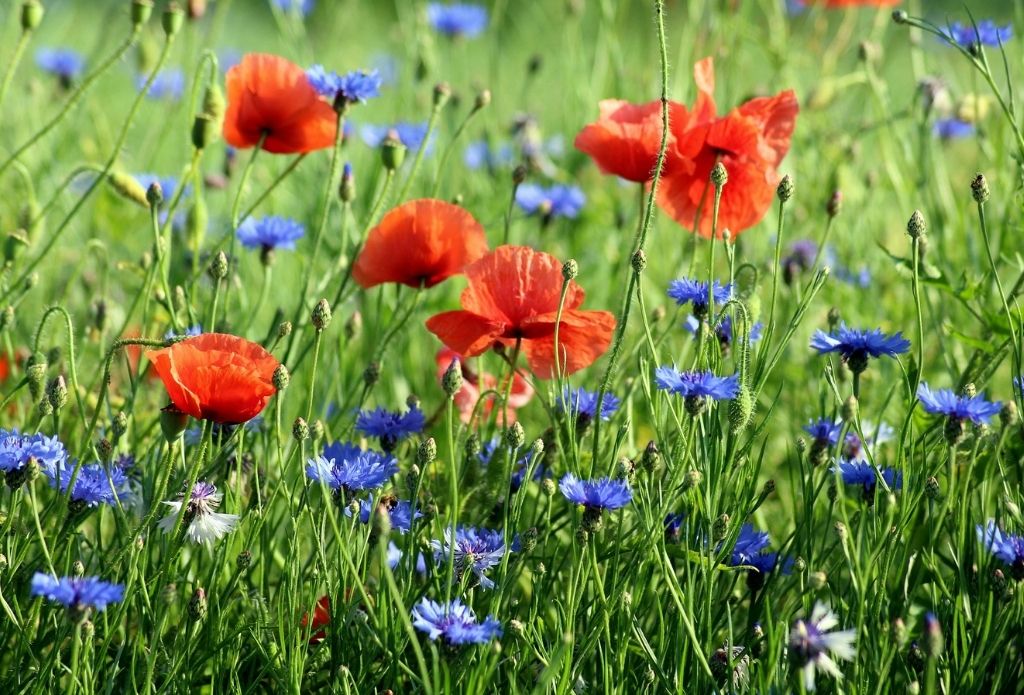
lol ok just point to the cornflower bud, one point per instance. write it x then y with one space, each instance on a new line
785 188
300 430
979 189
719 175
321 315
451 382
570 270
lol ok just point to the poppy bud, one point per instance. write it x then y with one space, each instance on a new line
442 93
719 175
451 382
35 374
570 270
243 560
300 430
849 409
142 10
482 99
219 266
155 195
204 131
14 243
785 188
426 453
196 9
900 16
639 261
519 175
281 377
979 189
32 12
720 529
740 410
916 227
347 189
392 152
128 187
321 315
515 437
172 19
172 423
57 393
197 605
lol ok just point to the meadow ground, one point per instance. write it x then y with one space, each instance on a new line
369 347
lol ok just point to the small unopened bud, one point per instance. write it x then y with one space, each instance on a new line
740 410
651 457
818 580
105 449
519 175
219 266
6 318
35 374
900 16
549 486
77 569
639 261
835 204
142 10
371 374
321 315
243 560
932 490
849 409
281 377
917 227
57 393
347 188
693 479
451 381
570 270
318 430
841 531
515 437
300 430
483 98
785 188
128 186
197 605
720 528
719 175
799 565
426 453
516 627
933 635
31 14
284 329
442 93
1008 415
120 425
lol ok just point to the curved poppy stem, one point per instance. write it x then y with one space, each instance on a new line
72 369
19 50
641 237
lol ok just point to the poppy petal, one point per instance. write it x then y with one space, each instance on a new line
465 332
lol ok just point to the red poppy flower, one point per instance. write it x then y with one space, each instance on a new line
321 619
625 139
268 95
474 384
512 298
750 141
422 242
216 377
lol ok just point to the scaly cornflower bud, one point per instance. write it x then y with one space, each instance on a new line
519 175
281 377
818 580
719 175
693 479
979 189
515 437
931 488
483 99
104 448
426 453
528 541
917 227
1008 415
77 569
197 605
638 261
549 486
371 374
570 270
651 457
835 204
6 318
120 425
347 187
933 635
243 561
799 565
841 531
900 16
720 529
318 430
219 266
321 315
442 93
57 393
451 382
300 430
284 330
785 188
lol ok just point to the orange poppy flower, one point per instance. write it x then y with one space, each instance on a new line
321 619
215 376
271 96
422 242
512 298
625 139
750 141
474 384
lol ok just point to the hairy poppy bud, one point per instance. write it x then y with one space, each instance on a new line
14 243
204 131
719 175
740 410
129 187
979 189
785 188
6 318
32 12
35 374
172 423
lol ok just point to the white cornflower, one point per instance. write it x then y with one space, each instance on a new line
202 522
810 643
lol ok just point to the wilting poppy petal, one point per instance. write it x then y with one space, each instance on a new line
216 377
270 96
625 139
512 298
420 242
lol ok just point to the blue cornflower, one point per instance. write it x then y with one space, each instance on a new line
96 484
304 7
945 402
345 466
555 201
168 84
411 135
825 431
1006 547
802 254
476 550
862 473
455 622
750 550
856 345
603 493
168 185
77 593
189 332
390 427
400 512
687 291
354 86
480 154
459 19
270 233
580 403
988 33
723 330
699 385
674 526
952 129
64 63
17 449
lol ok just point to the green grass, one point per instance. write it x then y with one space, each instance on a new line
620 610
